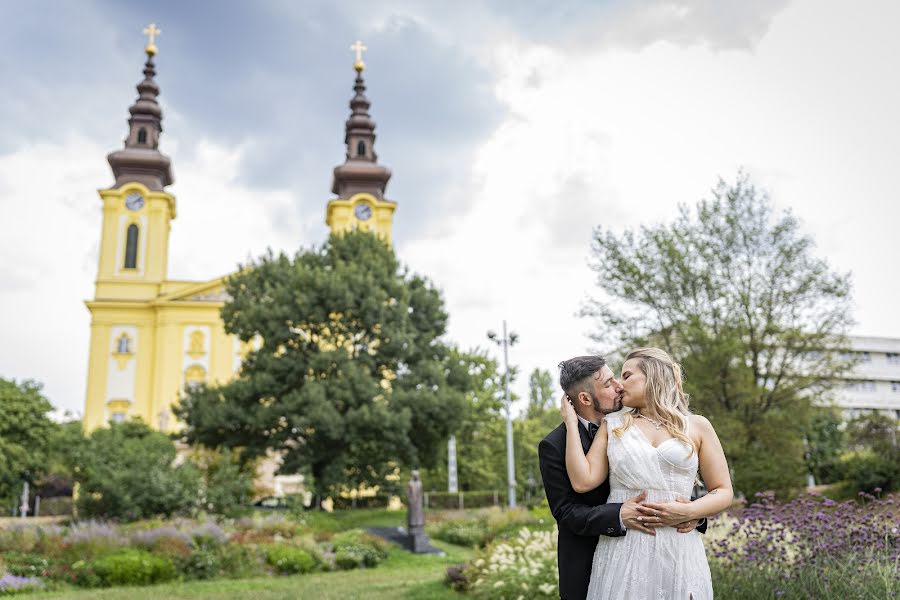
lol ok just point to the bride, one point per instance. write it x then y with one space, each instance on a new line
655 445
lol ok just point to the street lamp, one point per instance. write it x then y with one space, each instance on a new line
506 341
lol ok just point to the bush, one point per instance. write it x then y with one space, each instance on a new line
132 567
126 473
13 584
867 471
26 565
522 566
462 532
166 540
355 548
289 560
226 487
89 539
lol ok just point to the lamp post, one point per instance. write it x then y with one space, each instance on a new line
506 341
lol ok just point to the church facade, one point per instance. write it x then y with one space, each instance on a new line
153 337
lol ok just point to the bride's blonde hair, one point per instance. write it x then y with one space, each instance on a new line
666 400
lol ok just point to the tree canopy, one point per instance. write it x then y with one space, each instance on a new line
348 378
25 434
735 293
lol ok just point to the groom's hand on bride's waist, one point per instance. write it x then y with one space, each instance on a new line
631 517
668 514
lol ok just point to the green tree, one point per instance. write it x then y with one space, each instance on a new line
540 393
826 440
350 382
25 433
481 429
126 471
735 293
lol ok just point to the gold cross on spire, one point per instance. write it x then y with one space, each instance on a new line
359 65
152 31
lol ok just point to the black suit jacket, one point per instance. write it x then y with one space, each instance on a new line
581 517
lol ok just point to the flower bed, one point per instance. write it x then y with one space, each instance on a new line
808 548
98 554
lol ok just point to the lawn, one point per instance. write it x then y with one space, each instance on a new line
402 575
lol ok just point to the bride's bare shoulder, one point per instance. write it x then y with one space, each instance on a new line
700 422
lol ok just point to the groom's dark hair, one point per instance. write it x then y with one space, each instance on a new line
575 373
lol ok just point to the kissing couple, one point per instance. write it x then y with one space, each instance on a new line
618 474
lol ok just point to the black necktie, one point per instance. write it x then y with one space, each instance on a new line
592 429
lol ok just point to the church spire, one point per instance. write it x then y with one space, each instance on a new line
140 160
360 171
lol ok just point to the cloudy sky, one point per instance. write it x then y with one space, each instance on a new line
512 129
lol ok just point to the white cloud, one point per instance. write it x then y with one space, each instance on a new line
808 112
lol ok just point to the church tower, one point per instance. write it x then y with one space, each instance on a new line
360 182
136 209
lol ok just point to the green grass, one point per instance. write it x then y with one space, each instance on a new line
402 576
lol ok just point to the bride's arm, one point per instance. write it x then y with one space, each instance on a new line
713 470
585 471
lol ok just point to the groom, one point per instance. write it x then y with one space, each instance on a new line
594 392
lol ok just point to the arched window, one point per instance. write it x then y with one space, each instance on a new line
142 136
131 242
361 148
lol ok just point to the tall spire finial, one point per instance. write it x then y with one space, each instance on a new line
151 31
358 47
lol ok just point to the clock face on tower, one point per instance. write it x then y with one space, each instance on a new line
363 211
134 201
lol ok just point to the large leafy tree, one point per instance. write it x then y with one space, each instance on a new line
25 434
734 291
126 471
350 380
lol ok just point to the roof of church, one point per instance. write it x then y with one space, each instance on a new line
360 171
140 160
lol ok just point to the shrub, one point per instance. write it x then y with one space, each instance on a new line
355 548
89 539
166 540
133 567
521 566
14 584
126 473
208 535
289 560
226 487
462 532
868 470
26 565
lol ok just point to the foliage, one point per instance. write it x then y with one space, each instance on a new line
288 560
483 527
541 398
355 548
129 567
522 566
14 584
126 472
89 539
25 432
225 484
875 459
481 432
811 534
826 440
758 322
349 378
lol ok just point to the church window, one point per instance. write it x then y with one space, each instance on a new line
123 344
361 148
142 136
197 345
131 240
118 417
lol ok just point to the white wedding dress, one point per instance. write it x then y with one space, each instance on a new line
639 566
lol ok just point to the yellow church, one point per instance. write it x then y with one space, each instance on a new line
152 337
